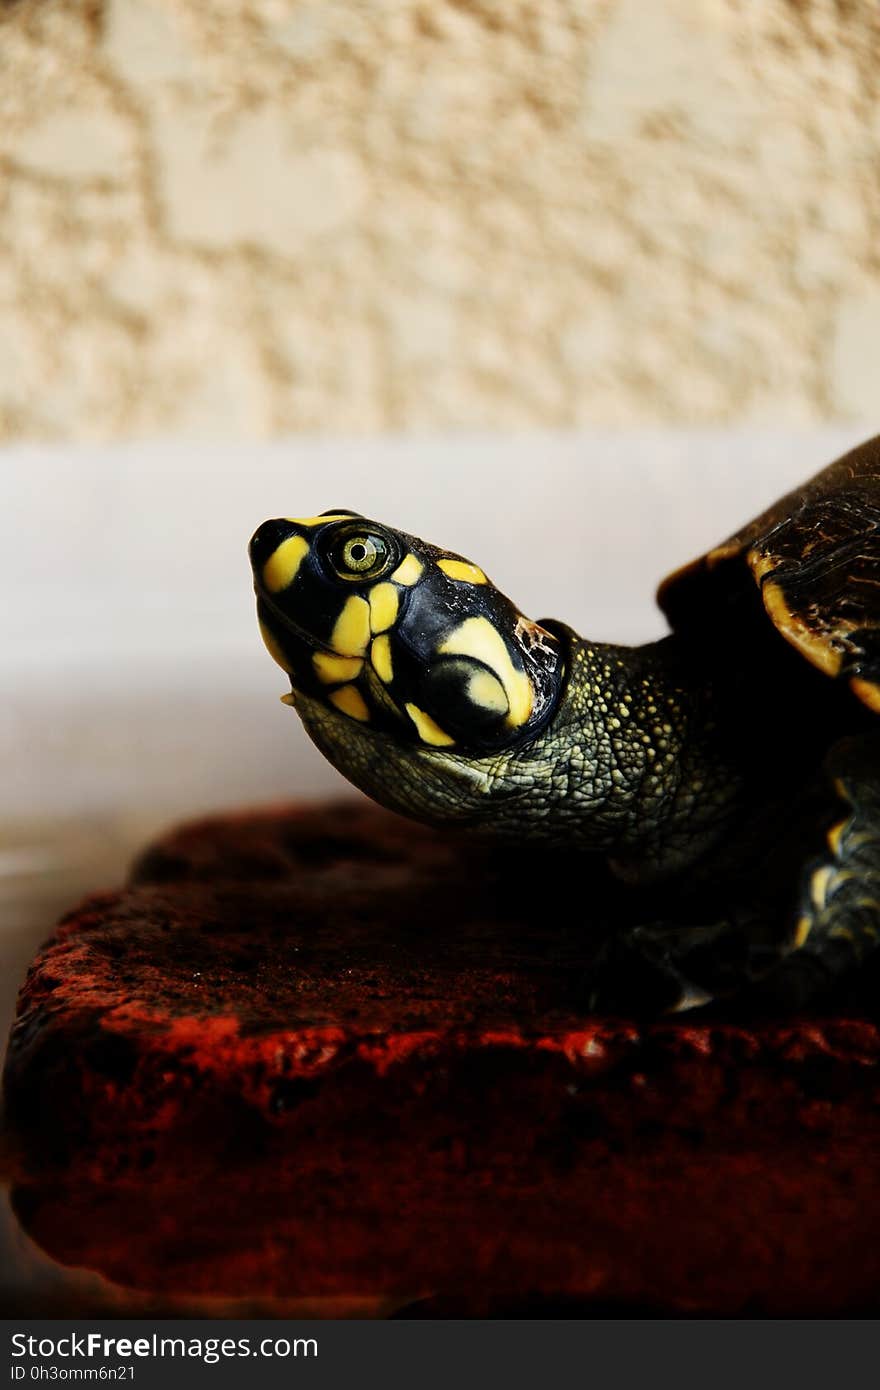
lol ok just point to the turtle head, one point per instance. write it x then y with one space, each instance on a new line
399 640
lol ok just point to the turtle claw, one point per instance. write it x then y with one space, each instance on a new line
667 969
692 997
637 973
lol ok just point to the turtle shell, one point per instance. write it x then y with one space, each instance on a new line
815 556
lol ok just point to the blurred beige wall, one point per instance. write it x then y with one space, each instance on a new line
232 218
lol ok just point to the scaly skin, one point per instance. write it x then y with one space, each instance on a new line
633 762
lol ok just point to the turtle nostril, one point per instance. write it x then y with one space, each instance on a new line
266 540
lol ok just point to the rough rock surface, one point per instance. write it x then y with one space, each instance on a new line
325 1052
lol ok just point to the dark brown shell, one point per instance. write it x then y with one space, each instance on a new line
815 554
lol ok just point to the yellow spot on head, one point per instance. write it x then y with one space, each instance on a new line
318 520
331 669
408 571
281 568
428 731
350 700
477 638
487 691
352 630
380 656
383 606
462 569
273 648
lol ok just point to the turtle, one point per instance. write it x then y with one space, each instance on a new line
726 775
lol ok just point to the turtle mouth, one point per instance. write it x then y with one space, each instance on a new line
283 620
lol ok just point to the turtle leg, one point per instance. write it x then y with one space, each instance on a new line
837 925
662 967
670 968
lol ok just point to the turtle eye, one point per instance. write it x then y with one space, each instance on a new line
360 555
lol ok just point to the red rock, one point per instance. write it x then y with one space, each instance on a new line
327 1052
